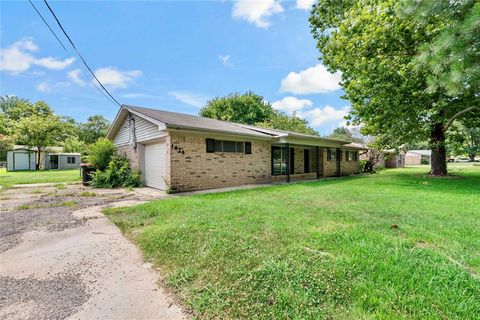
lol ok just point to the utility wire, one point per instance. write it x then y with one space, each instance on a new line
48 26
66 50
74 47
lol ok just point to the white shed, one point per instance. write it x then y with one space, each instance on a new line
61 161
21 159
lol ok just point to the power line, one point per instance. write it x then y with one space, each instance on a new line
74 47
48 26
66 50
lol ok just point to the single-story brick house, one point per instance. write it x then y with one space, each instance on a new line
394 159
415 157
181 152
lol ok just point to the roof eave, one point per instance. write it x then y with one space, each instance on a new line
226 132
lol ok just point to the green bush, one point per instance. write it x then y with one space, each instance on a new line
362 165
117 174
424 161
101 153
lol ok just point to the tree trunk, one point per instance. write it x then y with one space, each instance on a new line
472 156
37 165
438 163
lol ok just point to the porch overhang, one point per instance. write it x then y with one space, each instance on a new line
304 140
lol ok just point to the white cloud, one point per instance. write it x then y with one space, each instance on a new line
54 64
75 77
256 11
316 79
47 87
114 78
305 4
190 98
225 60
326 115
19 58
291 104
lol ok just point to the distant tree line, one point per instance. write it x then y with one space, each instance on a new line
36 125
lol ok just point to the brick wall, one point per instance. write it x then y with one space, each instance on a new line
329 167
190 167
298 162
195 169
132 155
346 167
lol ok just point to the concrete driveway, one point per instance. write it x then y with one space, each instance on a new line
61 258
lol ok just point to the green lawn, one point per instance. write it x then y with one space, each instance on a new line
7 179
322 249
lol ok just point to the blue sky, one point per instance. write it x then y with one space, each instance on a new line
168 55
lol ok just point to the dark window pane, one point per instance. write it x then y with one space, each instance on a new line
276 160
229 146
248 147
218 146
210 143
239 147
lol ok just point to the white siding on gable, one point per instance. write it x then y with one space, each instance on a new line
144 129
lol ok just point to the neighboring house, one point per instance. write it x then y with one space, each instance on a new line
394 159
24 158
415 157
180 152
386 158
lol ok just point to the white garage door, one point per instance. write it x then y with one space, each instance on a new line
155 165
21 161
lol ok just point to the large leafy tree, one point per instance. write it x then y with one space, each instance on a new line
96 127
73 144
13 109
343 133
282 121
252 109
6 144
40 131
453 56
465 137
376 48
247 108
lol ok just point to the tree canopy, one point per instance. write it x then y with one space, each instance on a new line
13 109
293 123
96 127
376 48
248 108
252 109
343 133
452 58
40 131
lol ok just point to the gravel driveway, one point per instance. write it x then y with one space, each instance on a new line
60 258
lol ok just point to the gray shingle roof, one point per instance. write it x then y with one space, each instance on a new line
187 121
181 120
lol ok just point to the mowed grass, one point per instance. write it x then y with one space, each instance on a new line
322 249
7 179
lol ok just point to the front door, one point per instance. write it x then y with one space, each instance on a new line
54 162
306 160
